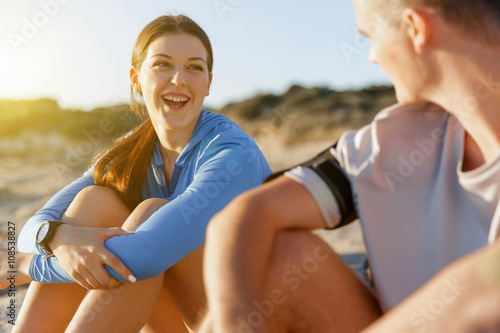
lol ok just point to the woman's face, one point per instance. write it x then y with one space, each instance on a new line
174 80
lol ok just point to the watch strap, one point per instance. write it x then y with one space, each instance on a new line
44 243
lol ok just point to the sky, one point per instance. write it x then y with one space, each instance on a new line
78 51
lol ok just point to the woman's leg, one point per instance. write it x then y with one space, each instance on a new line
184 281
165 316
50 307
183 286
133 303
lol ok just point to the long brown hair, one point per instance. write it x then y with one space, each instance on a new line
124 165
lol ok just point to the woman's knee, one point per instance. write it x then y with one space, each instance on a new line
143 211
96 206
97 193
152 202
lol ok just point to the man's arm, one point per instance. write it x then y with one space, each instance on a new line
240 241
464 297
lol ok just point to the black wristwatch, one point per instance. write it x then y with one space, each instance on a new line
45 234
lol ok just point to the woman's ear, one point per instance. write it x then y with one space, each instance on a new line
418 23
211 75
134 80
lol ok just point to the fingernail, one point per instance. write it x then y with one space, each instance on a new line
130 232
132 278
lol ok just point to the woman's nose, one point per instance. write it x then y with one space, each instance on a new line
178 78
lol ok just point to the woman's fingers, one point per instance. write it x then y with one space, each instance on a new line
81 280
103 278
97 277
87 269
84 254
112 261
111 232
94 275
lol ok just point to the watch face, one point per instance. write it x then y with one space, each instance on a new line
43 232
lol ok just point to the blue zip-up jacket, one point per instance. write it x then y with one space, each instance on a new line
219 162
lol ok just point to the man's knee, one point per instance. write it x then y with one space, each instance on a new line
298 257
303 269
300 247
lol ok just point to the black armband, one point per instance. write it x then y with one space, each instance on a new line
326 166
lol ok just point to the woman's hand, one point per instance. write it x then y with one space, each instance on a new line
82 254
11 261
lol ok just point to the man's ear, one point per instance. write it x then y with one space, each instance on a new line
419 24
211 75
134 80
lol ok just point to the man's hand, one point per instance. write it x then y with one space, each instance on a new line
82 254
464 297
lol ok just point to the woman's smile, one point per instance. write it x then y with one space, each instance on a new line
176 101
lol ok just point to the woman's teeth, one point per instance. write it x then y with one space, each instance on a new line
176 99
175 102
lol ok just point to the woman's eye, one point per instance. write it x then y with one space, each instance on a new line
162 64
196 67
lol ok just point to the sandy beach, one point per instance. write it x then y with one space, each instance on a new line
33 168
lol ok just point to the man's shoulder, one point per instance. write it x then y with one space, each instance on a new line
393 131
409 112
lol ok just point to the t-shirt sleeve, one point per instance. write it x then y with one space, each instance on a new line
326 181
320 192
178 228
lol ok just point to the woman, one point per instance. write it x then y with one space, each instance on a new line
190 158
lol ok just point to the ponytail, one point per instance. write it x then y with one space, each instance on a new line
124 166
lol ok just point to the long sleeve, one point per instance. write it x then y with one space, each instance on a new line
178 228
53 210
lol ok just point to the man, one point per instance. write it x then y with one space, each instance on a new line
424 177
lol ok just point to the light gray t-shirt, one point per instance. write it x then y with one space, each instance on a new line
418 210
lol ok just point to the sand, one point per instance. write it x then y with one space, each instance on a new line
31 175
